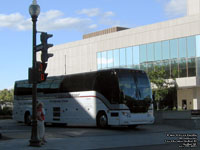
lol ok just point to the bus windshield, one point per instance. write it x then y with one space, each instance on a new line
135 85
143 86
127 85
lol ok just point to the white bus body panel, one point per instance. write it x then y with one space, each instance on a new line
80 109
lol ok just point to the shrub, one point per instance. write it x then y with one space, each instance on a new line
6 111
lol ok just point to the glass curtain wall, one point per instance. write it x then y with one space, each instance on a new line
179 57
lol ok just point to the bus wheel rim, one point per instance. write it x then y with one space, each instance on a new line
103 121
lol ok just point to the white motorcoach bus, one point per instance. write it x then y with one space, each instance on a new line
101 98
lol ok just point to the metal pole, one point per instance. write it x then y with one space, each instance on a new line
34 137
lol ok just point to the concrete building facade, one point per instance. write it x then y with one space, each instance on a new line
173 44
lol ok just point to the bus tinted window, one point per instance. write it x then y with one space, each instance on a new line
127 84
79 82
107 84
143 85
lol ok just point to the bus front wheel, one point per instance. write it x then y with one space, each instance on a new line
102 120
132 126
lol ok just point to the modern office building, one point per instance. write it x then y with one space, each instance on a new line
173 44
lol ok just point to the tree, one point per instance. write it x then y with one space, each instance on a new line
160 84
6 95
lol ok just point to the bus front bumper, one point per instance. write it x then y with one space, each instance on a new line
136 118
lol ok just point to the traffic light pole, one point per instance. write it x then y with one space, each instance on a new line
34 138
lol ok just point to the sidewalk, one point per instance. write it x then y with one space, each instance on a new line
95 142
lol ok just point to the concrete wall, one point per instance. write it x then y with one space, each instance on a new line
193 7
185 94
191 95
181 119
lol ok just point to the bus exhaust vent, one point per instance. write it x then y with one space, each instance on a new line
56 113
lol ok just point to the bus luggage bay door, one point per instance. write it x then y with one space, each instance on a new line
56 113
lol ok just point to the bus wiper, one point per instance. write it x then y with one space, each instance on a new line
139 93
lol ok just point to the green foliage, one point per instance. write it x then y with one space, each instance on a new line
165 95
6 95
157 78
6 111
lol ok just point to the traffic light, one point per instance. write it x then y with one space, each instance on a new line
40 72
45 55
38 75
41 66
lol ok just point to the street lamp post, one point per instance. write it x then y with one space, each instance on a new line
34 11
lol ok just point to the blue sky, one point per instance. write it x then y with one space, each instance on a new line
68 20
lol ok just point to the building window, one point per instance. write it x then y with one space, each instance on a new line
174 68
179 57
136 55
191 67
165 49
150 67
182 48
198 55
198 46
182 68
191 46
110 60
143 54
122 54
99 60
129 56
158 51
198 66
150 52
158 65
143 66
116 58
166 67
174 48
104 60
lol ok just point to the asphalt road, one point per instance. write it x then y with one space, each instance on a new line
151 137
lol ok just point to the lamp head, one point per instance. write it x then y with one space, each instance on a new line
34 9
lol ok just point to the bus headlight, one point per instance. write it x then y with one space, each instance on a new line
126 114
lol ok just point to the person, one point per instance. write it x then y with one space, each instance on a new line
40 123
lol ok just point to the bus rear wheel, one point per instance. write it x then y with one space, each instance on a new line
27 118
102 120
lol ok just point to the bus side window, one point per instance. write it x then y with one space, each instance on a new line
107 85
114 89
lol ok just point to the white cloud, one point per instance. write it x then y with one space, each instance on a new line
50 20
108 14
104 18
176 8
55 20
15 20
90 12
93 26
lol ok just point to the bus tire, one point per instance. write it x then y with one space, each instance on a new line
102 120
27 118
